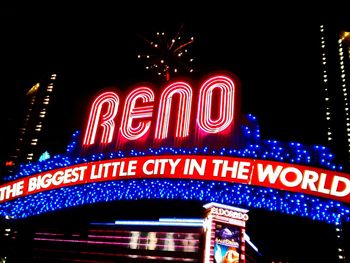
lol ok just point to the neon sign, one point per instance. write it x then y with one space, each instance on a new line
289 177
266 173
216 108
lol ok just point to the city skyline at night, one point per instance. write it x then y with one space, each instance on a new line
221 44
277 57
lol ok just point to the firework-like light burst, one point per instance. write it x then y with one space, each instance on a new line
168 55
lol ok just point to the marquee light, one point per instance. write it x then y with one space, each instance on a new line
296 204
105 106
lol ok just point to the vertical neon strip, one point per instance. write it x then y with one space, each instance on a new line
184 91
104 120
227 100
133 112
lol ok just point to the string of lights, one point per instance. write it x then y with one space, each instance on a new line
248 196
291 152
153 189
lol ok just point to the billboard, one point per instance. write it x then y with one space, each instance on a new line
225 233
227 243
185 140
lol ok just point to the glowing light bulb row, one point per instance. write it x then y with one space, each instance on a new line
205 191
344 90
292 152
328 112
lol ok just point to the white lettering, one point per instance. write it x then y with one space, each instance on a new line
173 165
268 172
243 170
11 191
322 184
335 185
60 177
310 178
200 168
290 182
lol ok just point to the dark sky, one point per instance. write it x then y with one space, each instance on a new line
274 50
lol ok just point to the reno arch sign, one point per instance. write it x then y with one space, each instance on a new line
141 116
203 113
289 177
190 114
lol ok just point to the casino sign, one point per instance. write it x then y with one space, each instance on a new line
187 142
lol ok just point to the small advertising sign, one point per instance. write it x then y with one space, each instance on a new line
227 244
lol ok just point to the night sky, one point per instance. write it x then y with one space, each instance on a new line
275 51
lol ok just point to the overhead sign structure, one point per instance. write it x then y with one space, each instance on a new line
203 115
294 178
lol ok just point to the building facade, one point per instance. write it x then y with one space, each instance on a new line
28 142
335 82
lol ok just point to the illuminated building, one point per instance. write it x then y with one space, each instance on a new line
27 147
335 71
145 238
174 146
